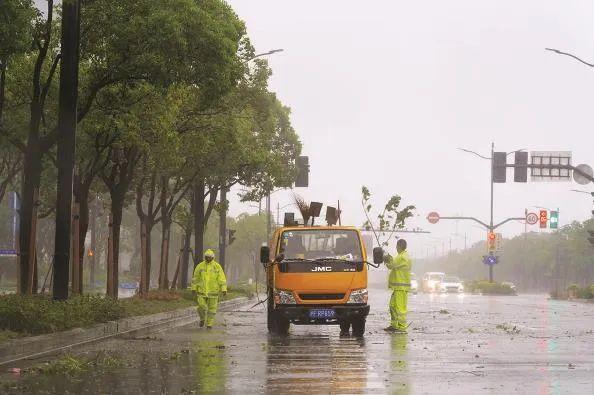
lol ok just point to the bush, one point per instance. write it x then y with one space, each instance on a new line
39 314
488 288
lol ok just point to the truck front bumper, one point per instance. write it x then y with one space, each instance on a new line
300 314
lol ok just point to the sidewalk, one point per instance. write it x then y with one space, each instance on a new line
37 346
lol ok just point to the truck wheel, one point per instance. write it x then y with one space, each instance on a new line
359 327
345 327
281 325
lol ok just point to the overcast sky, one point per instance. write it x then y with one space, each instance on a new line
383 92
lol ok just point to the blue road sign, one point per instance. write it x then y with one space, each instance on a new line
7 252
490 260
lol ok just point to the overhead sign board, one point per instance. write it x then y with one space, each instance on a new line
552 163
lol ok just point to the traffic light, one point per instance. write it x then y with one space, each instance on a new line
521 166
499 167
230 236
543 219
491 242
302 179
591 238
554 220
498 242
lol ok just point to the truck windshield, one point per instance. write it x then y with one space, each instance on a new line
320 244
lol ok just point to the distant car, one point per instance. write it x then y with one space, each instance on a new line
451 284
511 285
414 284
431 281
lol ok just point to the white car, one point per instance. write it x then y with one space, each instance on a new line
451 284
431 281
414 284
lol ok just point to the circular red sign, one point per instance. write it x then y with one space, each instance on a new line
433 217
532 218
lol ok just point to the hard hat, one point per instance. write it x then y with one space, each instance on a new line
209 254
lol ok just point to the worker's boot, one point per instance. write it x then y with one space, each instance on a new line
201 324
208 327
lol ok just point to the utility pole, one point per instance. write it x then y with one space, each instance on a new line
67 120
491 221
268 225
223 226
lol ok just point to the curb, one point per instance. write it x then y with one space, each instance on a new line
38 346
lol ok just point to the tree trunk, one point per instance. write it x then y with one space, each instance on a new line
32 177
81 197
93 250
3 64
199 221
185 259
117 207
175 281
164 267
147 223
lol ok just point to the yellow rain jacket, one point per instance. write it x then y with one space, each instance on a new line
209 279
400 267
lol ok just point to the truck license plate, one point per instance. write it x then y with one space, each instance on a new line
322 313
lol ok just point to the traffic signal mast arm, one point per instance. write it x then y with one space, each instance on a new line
560 167
484 224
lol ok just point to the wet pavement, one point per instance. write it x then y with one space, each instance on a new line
463 344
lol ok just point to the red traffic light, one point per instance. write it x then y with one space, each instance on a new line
543 218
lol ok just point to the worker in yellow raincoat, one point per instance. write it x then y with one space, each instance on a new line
399 283
209 282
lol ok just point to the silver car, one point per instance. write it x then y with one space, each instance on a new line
451 284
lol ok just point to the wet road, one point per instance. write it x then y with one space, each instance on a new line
464 344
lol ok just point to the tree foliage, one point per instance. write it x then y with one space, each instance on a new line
390 219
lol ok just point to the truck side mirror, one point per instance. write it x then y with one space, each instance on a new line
378 255
264 254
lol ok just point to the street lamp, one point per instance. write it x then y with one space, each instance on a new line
271 52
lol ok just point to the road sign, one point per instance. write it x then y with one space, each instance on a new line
554 220
543 219
490 260
532 218
433 217
8 253
580 179
550 158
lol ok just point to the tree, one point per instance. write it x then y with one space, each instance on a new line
389 220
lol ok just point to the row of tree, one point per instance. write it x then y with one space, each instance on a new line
173 108
533 261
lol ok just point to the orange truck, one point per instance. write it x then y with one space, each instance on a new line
317 275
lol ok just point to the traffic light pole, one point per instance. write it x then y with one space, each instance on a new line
491 221
223 226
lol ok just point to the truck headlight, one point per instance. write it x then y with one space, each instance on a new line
358 296
283 297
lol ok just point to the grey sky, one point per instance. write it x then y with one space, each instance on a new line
383 92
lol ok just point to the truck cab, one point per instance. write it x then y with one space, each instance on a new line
317 275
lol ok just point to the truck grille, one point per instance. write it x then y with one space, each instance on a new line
321 296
